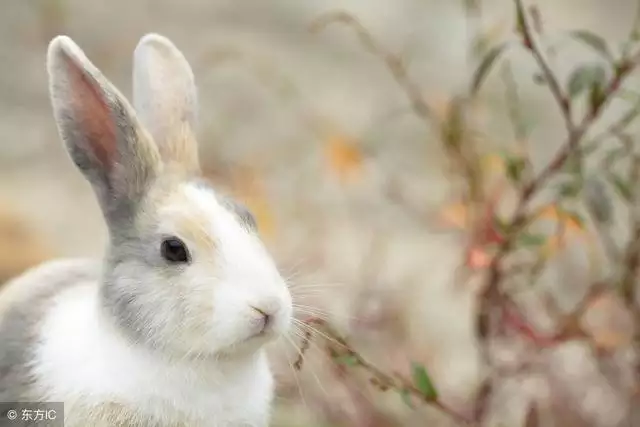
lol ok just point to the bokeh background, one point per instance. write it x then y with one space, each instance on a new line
316 136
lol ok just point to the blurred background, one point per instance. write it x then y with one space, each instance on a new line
352 190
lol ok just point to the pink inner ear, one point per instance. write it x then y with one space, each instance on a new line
93 116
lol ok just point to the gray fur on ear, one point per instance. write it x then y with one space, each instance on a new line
165 98
99 128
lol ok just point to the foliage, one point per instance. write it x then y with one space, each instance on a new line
507 250
498 239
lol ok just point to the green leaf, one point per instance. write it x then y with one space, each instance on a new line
472 5
628 95
347 359
453 129
530 239
612 156
569 189
596 95
629 116
594 41
521 22
501 226
481 45
406 398
514 167
597 199
585 78
423 382
573 165
485 66
621 186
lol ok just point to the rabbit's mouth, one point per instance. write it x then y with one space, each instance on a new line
247 346
261 335
266 333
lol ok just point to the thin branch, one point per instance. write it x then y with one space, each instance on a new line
393 62
493 295
631 265
452 130
631 260
547 73
379 378
491 292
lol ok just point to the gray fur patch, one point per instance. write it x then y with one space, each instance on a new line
241 211
121 301
123 307
20 322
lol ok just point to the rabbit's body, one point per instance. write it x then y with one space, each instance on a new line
66 351
168 329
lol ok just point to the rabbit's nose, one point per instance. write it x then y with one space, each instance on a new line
265 318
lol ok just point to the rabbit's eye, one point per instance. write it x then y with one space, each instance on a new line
174 250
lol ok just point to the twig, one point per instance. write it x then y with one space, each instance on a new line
556 89
575 135
379 378
393 62
631 260
569 325
452 130
616 127
452 133
600 210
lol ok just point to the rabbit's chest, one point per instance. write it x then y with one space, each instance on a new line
81 413
101 378
154 411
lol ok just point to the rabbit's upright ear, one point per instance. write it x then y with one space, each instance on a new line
165 98
99 129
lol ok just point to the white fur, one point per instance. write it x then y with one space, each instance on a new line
179 342
82 360
237 274
163 86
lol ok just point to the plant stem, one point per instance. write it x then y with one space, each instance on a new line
491 292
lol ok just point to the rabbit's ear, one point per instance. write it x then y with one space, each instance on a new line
99 129
165 98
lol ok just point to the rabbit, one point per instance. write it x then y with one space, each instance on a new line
171 327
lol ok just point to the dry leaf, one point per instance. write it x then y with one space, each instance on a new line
455 215
344 158
571 225
608 322
493 164
552 246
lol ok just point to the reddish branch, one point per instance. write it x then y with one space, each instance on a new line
569 325
337 347
491 294
507 312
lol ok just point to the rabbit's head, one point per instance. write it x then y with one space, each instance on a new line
185 272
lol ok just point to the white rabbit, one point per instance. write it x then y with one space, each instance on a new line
170 328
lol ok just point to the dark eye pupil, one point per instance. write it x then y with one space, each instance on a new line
174 250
